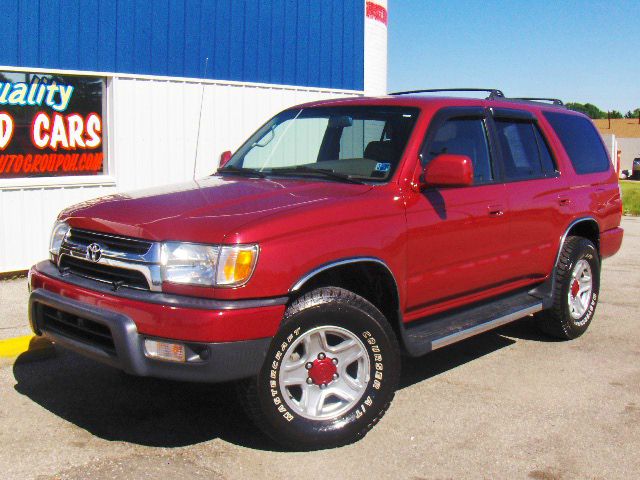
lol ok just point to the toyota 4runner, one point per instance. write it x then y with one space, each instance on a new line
339 236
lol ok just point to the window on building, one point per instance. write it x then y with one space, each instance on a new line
51 125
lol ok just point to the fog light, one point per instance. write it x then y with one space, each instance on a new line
172 352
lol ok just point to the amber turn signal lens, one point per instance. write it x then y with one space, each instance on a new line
236 264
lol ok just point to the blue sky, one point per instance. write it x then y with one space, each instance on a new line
584 51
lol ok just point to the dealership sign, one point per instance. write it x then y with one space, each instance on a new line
50 125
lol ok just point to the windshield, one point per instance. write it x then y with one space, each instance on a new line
337 143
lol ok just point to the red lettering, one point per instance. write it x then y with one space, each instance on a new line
36 162
98 162
28 163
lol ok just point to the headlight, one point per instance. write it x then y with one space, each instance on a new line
207 265
59 232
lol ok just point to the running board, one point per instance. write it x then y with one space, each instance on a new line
422 336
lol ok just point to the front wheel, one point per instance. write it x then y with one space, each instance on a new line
330 372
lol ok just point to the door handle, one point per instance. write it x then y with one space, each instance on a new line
496 210
564 200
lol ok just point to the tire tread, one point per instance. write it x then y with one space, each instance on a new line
554 321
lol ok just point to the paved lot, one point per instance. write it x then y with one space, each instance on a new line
13 308
506 404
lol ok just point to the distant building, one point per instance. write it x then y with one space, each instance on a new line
626 133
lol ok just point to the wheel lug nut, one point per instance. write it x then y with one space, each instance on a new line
309 380
335 361
323 386
308 366
335 376
321 356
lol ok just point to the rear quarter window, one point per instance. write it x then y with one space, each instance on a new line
581 141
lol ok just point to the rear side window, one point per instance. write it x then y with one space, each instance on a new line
464 137
581 142
519 150
524 151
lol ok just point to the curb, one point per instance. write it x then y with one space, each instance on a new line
26 348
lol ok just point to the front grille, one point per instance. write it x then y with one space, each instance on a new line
118 277
77 328
109 242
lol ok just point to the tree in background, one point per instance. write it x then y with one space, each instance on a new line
594 112
588 109
632 114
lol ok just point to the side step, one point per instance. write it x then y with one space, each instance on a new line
438 331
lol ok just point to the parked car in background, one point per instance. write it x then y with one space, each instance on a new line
635 172
342 234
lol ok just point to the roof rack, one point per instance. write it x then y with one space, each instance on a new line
554 101
493 92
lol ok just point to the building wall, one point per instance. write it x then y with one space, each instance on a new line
28 213
375 47
611 143
316 43
152 125
630 148
154 140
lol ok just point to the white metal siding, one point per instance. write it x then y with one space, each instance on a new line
27 217
152 129
630 148
157 123
375 54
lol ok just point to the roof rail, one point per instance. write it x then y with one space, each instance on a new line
554 101
493 92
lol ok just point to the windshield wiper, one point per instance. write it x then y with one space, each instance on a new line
250 172
324 172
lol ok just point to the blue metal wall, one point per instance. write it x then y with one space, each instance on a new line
296 42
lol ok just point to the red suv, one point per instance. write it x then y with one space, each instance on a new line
339 236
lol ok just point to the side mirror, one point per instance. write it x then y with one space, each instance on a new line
448 170
224 158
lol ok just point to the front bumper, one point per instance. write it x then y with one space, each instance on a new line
111 327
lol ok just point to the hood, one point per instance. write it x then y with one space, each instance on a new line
204 210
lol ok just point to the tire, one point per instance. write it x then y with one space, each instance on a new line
573 308
325 410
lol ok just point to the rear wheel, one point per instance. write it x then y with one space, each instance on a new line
330 372
576 290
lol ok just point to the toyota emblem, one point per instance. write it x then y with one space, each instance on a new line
94 252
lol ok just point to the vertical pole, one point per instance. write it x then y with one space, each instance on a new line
609 117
